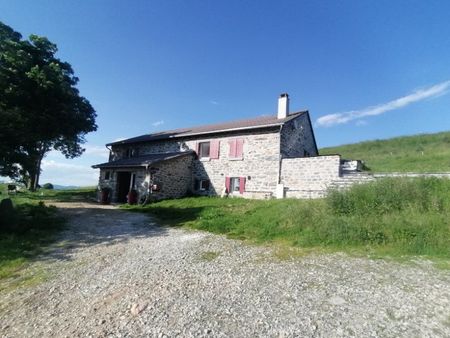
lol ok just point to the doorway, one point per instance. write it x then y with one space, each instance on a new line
123 185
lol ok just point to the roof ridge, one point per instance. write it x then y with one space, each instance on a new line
241 124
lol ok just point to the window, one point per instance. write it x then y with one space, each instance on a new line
107 175
131 152
203 150
234 184
202 185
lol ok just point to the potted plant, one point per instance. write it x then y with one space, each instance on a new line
105 195
132 197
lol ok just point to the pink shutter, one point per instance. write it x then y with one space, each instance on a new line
239 147
241 185
227 184
214 149
232 144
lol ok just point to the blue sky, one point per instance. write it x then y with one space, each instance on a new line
364 69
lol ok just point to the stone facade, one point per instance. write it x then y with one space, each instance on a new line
309 177
173 178
273 157
259 163
297 138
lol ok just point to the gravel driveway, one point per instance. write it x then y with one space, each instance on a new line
116 274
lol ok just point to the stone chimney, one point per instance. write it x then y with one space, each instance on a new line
283 106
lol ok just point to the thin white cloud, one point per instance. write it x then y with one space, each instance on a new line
119 139
157 123
214 102
361 123
419 95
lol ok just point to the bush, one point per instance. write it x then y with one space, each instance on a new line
25 217
8 216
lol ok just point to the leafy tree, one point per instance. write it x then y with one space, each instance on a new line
47 186
40 107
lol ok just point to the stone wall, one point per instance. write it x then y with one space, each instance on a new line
309 177
260 162
260 165
174 177
297 138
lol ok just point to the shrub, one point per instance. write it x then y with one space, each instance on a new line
8 216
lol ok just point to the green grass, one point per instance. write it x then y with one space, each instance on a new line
390 217
418 153
209 256
72 195
35 228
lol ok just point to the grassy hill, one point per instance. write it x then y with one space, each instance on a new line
417 153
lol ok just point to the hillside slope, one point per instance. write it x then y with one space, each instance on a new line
417 153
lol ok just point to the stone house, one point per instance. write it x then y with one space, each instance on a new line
269 156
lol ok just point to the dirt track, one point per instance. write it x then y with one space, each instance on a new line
116 274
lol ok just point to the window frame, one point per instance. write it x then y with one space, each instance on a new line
207 184
200 150
107 175
233 185
131 152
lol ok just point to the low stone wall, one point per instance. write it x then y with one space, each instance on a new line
411 174
309 177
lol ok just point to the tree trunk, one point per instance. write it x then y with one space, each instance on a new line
35 168
37 173
31 183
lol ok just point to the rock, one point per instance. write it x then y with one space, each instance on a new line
137 308
336 300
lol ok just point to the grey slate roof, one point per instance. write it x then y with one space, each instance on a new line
142 161
258 122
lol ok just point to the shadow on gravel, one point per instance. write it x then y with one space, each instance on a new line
88 226
173 216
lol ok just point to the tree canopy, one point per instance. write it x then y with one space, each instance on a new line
40 107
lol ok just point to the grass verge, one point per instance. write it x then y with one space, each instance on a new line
29 228
417 153
390 217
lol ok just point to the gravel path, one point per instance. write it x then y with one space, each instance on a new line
119 275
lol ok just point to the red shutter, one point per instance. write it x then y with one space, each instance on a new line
232 144
239 147
241 185
227 184
214 149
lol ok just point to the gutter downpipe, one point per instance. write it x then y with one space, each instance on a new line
279 158
110 151
279 191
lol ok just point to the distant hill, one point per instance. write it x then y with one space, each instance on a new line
64 187
417 153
